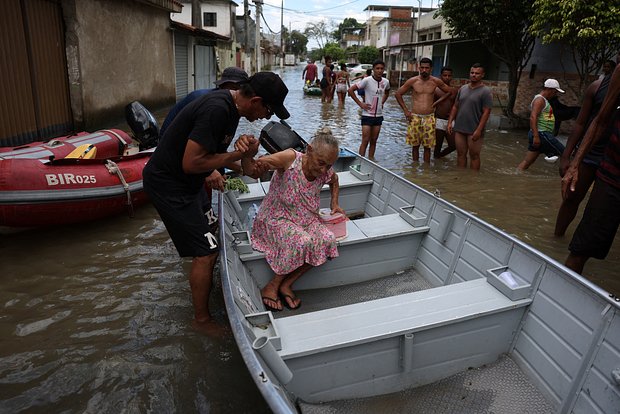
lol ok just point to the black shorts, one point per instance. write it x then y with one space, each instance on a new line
372 120
324 83
189 220
599 224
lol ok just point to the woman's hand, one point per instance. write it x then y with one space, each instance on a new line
337 209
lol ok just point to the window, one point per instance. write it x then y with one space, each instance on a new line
422 38
209 19
437 35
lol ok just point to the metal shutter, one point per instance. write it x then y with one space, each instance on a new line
181 64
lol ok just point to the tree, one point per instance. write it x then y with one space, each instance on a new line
299 41
591 29
502 26
335 51
295 42
368 54
316 55
318 31
348 24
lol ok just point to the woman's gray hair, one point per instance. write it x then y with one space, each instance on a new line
325 137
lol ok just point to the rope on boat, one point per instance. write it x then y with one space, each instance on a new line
113 169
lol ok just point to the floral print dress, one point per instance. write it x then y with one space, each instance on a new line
287 227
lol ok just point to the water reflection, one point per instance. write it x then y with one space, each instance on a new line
95 316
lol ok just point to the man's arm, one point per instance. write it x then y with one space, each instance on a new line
197 160
596 129
443 97
537 107
353 95
279 161
303 74
442 85
486 113
577 133
453 112
386 95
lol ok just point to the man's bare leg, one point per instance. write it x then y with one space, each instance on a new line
576 263
475 147
365 140
374 136
201 281
461 149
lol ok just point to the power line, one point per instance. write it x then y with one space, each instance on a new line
267 24
313 11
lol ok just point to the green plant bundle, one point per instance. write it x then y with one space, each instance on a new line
237 184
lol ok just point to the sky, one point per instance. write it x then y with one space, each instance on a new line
298 13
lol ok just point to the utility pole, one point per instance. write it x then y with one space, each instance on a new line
246 39
259 12
282 34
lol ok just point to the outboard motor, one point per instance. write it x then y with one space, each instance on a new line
278 136
143 124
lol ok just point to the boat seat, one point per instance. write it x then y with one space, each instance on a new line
364 230
353 192
84 151
374 247
359 323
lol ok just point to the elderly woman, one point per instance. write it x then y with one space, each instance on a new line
287 227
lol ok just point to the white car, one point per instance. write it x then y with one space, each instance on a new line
358 69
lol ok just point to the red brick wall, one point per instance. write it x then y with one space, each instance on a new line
499 88
400 13
528 88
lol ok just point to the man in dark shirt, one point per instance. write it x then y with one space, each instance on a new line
231 78
193 147
599 224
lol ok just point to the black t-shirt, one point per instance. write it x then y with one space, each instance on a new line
211 121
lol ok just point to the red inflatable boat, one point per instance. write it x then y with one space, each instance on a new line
36 193
109 143
82 177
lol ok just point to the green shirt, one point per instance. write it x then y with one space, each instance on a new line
546 119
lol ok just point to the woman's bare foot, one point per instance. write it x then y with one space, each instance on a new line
270 297
288 296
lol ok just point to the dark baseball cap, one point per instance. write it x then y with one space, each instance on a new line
232 74
272 90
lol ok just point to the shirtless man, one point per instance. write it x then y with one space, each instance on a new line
421 118
443 104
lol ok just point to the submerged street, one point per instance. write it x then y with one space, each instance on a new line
96 316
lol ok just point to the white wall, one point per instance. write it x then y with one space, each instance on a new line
223 10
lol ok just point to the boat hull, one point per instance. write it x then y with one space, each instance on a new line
312 91
451 313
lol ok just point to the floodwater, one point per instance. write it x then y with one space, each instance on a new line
95 317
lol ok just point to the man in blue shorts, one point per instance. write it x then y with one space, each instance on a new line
596 231
542 124
193 147
376 91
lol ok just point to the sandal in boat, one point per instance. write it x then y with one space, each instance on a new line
269 307
292 298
